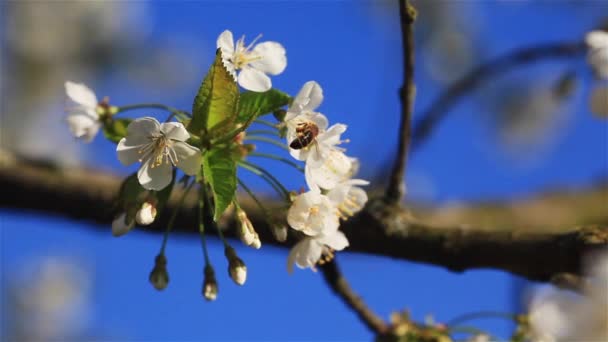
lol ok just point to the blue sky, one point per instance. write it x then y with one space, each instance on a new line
353 50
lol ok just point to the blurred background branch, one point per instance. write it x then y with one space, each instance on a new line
537 237
431 118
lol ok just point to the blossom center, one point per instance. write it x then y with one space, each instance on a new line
159 150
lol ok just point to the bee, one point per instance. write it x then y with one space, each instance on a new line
306 132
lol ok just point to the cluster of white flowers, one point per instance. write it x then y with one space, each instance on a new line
560 315
332 194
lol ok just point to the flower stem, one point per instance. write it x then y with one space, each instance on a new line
173 216
267 176
262 132
480 314
174 111
268 140
266 123
253 196
201 225
279 158
208 214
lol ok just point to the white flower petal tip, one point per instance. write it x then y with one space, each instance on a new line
597 57
146 214
597 39
159 148
120 227
252 62
82 118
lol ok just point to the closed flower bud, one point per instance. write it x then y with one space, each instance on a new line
146 214
279 230
247 232
236 267
120 226
159 278
210 284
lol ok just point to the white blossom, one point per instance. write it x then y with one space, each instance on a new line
336 168
309 250
158 147
316 153
597 42
83 117
307 100
348 197
563 316
254 62
120 226
313 213
146 214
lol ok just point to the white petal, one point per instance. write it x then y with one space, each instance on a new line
597 39
81 94
141 129
225 42
335 169
309 97
332 135
83 126
304 254
175 131
273 60
598 59
188 158
254 80
337 240
154 178
320 120
120 227
599 101
128 153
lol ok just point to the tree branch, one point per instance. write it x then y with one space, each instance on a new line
537 238
429 120
407 93
340 286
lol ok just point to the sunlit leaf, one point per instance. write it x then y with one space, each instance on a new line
219 171
216 101
252 104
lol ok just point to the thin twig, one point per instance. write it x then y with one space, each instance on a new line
337 282
430 119
396 187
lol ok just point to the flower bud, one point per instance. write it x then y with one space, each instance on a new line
279 230
120 226
146 214
159 278
248 234
210 284
236 267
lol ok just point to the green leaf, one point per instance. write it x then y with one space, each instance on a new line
252 104
216 101
219 170
116 129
